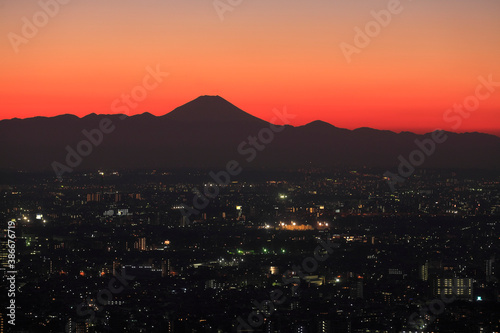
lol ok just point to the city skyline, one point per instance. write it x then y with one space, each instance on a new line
312 250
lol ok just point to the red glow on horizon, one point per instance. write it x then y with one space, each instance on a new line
424 62
411 121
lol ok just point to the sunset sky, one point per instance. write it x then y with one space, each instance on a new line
263 55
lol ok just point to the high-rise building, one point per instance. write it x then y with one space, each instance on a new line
116 267
423 271
48 265
387 297
395 271
170 326
489 268
3 247
184 221
274 270
460 288
94 197
72 326
356 288
165 268
82 328
140 244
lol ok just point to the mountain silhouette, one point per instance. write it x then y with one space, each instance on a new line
209 131
210 109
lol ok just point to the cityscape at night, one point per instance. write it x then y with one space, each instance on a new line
237 166
309 250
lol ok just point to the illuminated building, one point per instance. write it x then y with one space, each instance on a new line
165 268
489 268
3 247
423 271
461 288
140 244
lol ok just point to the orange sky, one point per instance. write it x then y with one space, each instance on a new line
261 56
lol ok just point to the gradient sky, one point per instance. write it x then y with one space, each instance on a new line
263 55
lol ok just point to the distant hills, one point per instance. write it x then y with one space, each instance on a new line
209 131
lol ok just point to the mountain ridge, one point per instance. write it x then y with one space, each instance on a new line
174 116
190 138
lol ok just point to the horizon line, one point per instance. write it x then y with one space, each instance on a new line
423 132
